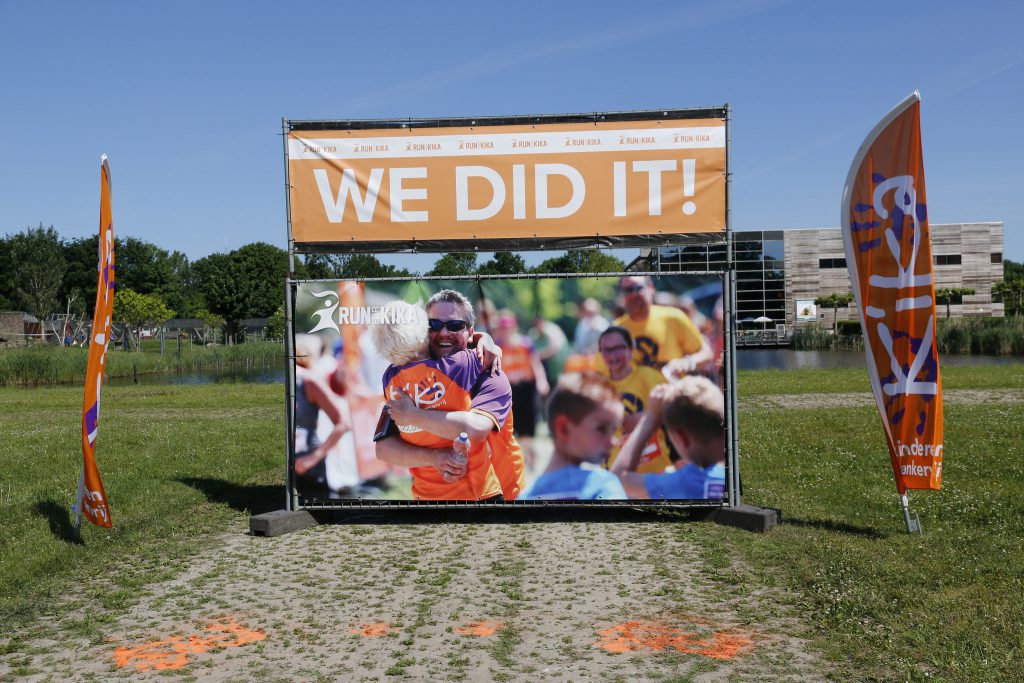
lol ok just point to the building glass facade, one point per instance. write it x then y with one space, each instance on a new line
777 270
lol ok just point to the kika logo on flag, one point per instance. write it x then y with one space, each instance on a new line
888 252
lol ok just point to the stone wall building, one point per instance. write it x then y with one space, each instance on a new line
780 273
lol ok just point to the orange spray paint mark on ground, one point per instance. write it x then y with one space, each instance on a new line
173 653
373 630
480 628
642 635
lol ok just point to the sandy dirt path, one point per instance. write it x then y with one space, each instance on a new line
859 400
562 601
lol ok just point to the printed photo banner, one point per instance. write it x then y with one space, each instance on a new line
888 252
553 181
361 345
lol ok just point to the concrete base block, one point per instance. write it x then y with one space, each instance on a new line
747 517
280 522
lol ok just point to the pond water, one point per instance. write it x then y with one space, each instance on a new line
262 375
748 359
788 359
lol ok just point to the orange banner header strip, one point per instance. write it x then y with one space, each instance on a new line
543 181
888 252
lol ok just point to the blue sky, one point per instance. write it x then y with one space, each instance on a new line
186 98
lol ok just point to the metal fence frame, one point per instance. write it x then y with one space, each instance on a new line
733 487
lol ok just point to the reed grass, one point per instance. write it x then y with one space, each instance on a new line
984 336
43 365
815 338
967 335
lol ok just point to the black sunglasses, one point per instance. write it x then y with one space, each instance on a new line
452 325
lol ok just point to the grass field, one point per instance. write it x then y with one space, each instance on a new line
180 461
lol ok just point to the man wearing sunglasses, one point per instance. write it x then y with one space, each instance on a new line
664 337
438 474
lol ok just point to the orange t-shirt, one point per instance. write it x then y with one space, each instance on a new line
446 384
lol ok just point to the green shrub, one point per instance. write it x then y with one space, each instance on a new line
849 328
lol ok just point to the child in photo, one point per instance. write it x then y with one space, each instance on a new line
583 414
693 412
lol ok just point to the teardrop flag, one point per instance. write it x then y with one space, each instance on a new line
889 256
92 498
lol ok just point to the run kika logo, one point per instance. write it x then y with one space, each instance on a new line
331 316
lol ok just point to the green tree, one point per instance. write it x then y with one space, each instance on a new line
349 267
1011 293
139 310
275 325
454 265
360 266
7 296
952 295
81 256
1013 270
247 282
214 323
37 258
324 266
582 261
148 269
503 263
835 301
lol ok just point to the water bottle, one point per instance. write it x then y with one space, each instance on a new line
461 448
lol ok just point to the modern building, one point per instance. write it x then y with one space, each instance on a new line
780 273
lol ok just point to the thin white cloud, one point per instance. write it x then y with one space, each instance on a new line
610 36
980 68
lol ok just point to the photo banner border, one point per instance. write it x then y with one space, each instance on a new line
732 482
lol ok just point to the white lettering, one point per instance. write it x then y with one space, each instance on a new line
689 174
654 169
619 187
462 176
579 190
399 194
335 207
518 191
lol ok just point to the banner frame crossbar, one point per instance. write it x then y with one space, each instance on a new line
671 114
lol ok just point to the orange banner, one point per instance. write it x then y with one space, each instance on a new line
888 252
92 499
564 180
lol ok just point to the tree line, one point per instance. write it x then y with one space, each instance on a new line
42 273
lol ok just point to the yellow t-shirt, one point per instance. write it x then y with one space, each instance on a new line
665 335
634 390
